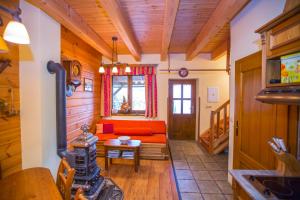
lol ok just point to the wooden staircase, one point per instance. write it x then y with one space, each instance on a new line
215 139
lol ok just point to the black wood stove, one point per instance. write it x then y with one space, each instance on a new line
87 175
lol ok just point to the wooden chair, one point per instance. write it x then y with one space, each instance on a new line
65 176
79 195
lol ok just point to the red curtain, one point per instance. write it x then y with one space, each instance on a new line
149 72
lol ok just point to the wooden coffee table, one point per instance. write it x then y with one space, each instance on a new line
115 144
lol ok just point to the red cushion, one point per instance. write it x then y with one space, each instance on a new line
155 138
142 131
156 126
108 128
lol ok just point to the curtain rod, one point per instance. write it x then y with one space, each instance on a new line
196 70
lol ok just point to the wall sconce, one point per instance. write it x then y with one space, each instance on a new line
15 31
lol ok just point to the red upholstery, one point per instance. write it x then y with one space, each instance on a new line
157 126
138 131
155 138
157 129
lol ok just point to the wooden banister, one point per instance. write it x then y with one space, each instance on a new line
215 126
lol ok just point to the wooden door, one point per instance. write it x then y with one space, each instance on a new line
182 109
255 122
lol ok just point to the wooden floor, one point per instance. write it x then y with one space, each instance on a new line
154 180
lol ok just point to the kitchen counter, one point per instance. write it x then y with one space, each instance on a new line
239 176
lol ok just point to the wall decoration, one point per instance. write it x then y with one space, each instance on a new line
73 68
212 94
88 85
183 72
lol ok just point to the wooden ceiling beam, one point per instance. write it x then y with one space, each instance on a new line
120 22
65 15
220 50
171 8
224 13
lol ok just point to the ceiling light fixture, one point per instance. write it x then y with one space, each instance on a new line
101 69
15 31
127 69
114 59
114 54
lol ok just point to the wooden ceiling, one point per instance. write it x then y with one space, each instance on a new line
154 26
191 16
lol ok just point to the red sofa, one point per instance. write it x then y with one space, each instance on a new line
152 134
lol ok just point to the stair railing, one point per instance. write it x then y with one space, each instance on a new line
215 125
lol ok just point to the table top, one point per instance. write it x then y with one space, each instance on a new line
33 183
117 143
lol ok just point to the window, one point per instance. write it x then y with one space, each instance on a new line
182 99
132 90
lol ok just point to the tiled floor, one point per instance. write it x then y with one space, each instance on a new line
199 175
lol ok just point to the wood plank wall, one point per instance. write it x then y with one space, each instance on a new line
10 132
82 107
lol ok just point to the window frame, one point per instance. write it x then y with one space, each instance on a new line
129 97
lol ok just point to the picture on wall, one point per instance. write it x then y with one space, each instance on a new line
88 85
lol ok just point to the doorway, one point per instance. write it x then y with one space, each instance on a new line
182 109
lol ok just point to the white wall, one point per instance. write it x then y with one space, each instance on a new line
245 41
37 89
204 79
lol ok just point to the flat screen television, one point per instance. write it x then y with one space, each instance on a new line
290 68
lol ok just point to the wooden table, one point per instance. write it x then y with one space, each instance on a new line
34 183
115 144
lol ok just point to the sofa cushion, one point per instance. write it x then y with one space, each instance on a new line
142 131
156 126
99 128
108 128
155 138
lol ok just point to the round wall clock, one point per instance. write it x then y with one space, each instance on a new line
73 68
183 72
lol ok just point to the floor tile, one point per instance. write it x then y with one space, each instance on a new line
180 165
191 196
229 197
188 186
208 187
212 166
206 158
225 187
223 164
220 175
213 197
196 166
202 175
183 174
192 158
178 156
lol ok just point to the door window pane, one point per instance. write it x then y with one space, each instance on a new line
120 91
138 93
186 107
176 106
176 91
187 91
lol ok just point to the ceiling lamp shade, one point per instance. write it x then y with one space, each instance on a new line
16 32
101 70
114 70
3 46
127 69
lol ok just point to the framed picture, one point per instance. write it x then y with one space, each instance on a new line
88 85
212 94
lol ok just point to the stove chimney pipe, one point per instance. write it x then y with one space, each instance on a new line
61 128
